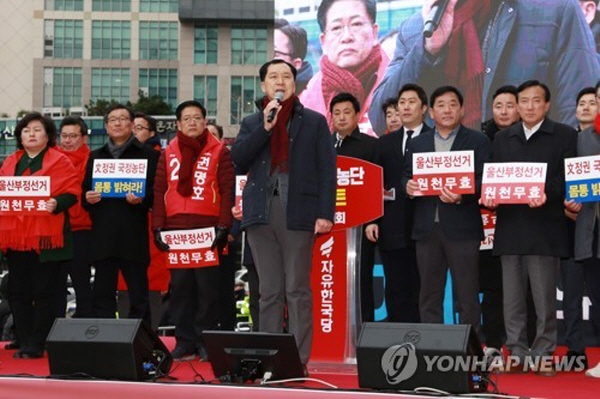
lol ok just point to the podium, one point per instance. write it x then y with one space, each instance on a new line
336 262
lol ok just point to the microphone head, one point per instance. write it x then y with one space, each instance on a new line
279 95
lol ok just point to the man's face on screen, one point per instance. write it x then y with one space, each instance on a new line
349 34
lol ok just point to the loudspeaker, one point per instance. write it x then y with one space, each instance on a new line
405 356
123 349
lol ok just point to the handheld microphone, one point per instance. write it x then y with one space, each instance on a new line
434 17
273 112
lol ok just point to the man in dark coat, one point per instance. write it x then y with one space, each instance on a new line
392 231
448 228
531 238
349 141
120 225
288 198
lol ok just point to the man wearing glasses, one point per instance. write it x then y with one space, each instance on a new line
352 59
290 44
120 225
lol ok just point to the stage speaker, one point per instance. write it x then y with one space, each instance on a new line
404 356
123 349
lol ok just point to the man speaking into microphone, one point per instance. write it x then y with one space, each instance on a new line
481 45
288 198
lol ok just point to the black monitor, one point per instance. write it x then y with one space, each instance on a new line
247 356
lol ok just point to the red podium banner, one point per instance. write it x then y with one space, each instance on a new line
359 199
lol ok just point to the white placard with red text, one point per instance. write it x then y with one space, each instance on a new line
24 195
452 169
488 218
190 248
513 182
240 183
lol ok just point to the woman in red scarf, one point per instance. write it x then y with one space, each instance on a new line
36 243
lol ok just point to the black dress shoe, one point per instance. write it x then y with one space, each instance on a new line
577 360
28 354
12 346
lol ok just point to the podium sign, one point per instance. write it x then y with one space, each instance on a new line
334 279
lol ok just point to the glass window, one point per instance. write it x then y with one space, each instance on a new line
206 44
111 40
63 5
158 40
244 91
159 5
162 82
63 38
205 92
249 45
62 87
111 5
111 84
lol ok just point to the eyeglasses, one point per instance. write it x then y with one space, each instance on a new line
354 27
122 119
188 119
70 136
140 127
278 53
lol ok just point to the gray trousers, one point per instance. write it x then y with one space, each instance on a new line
541 272
283 259
435 255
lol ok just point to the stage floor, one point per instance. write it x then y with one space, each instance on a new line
27 378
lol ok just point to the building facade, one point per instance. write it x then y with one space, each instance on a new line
60 54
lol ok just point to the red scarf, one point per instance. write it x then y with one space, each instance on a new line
190 149
464 66
357 81
78 157
80 219
280 138
597 124
24 233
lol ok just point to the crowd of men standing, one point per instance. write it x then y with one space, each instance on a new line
288 154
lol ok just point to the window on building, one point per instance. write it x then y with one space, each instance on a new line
162 82
205 92
111 84
63 5
206 44
111 5
249 45
63 38
158 40
111 40
62 87
244 91
159 5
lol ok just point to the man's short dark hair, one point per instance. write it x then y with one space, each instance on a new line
218 127
534 83
151 121
343 97
597 86
440 91
506 89
370 6
297 36
584 91
48 123
116 107
189 103
265 67
74 120
417 89
390 102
